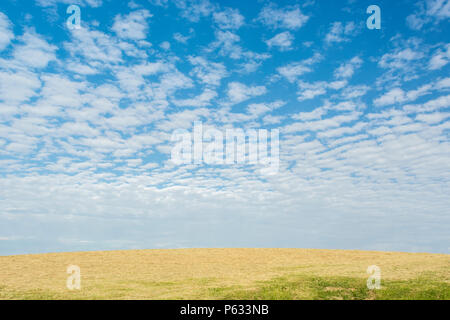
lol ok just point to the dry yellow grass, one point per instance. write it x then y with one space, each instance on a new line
196 273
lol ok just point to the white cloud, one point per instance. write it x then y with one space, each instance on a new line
35 51
227 42
351 92
430 11
180 38
400 59
259 109
162 3
311 90
202 100
60 91
182 120
249 66
282 40
312 115
342 73
270 119
338 84
295 69
433 118
431 105
81 68
347 70
132 26
228 45
239 92
414 21
165 45
443 83
440 58
210 73
438 8
323 124
340 32
194 10
409 58
96 48
288 17
398 95
6 34
17 87
228 19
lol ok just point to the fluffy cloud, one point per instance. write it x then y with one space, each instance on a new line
239 92
398 95
282 40
6 34
210 73
202 100
288 17
227 41
96 48
34 51
132 26
228 19
430 11
440 58
400 59
180 38
311 90
347 70
194 10
295 69
17 87
259 109
340 32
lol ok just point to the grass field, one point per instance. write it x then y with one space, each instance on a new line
226 274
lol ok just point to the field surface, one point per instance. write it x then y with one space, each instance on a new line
226 274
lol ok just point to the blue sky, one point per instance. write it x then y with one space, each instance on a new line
87 115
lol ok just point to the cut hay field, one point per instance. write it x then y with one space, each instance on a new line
226 274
